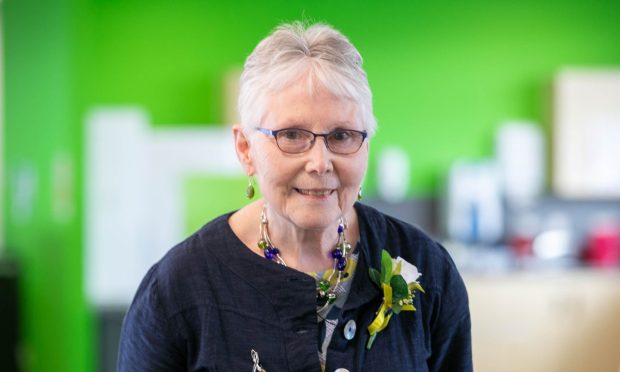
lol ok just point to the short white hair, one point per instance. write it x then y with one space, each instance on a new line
318 52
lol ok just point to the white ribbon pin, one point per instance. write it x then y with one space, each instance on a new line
256 360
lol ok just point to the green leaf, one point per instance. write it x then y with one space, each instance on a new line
375 276
400 290
386 267
397 268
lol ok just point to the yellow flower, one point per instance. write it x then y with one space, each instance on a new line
398 280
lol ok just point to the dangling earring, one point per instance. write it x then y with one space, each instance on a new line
249 192
359 194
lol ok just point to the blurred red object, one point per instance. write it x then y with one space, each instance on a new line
521 245
603 245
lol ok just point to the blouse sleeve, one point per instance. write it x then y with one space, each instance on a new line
147 342
451 328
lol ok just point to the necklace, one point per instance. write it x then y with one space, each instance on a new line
326 288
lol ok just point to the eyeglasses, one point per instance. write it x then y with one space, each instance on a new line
296 141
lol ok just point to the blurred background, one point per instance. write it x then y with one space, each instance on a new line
499 134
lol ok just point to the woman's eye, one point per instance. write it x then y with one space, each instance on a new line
292 134
341 135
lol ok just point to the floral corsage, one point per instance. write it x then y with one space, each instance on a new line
399 280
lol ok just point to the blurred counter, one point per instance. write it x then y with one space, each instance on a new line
566 320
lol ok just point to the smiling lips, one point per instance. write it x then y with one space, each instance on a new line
315 192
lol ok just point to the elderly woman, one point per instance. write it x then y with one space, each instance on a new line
305 279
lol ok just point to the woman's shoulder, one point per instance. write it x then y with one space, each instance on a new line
180 278
196 250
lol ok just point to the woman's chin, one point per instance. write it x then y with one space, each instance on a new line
317 219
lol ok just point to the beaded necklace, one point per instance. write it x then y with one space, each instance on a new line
326 288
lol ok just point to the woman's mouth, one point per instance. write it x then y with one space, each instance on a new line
318 193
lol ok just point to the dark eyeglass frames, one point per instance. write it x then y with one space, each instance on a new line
296 141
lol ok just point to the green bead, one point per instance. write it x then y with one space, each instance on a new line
262 244
324 285
249 192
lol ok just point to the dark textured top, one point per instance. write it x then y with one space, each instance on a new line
210 300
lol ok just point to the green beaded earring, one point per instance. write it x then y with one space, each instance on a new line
249 192
359 194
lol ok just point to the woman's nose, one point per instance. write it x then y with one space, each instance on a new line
319 157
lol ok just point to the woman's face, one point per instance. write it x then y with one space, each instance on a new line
312 189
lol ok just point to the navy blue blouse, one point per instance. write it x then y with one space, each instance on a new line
210 301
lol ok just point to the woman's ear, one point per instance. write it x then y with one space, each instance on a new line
242 147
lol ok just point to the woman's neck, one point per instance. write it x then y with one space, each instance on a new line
306 250
309 250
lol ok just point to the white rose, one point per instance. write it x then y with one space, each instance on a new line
408 271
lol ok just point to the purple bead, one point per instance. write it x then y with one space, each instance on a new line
336 253
275 251
341 264
268 253
340 229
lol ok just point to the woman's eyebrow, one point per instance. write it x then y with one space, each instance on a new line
294 123
303 124
342 125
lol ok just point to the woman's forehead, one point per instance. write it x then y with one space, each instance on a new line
295 106
326 118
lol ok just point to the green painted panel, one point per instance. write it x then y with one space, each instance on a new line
41 126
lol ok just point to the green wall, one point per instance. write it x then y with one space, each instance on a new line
444 75
43 153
